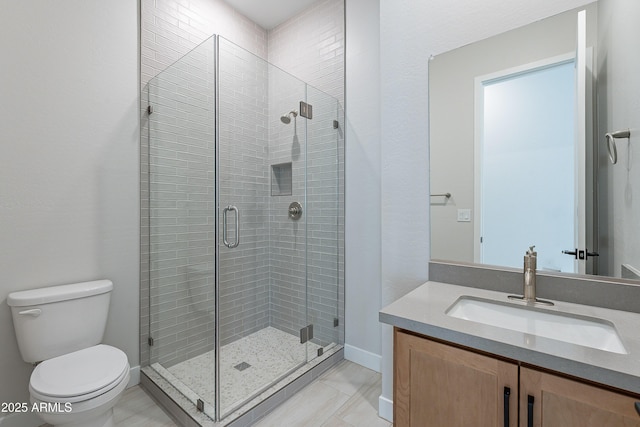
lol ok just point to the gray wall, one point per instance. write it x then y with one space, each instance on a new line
363 180
618 108
69 163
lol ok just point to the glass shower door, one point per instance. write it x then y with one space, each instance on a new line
325 228
181 241
261 249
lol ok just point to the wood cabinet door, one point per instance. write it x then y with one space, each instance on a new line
438 385
561 402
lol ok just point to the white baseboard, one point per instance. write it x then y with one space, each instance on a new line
134 376
31 419
363 357
385 408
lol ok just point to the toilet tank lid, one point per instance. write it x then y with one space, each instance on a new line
58 293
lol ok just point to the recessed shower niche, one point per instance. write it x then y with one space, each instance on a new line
281 180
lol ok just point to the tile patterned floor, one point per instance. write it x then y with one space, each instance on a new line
137 409
344 396
270 354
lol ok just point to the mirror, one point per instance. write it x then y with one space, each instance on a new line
499 185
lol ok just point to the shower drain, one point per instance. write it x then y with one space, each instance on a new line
242 366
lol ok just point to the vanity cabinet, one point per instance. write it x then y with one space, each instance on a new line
559 401
437 385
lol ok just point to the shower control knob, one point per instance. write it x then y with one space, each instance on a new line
295 210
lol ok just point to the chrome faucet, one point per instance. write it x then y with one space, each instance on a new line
530 259
529 279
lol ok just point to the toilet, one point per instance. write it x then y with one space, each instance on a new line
77 380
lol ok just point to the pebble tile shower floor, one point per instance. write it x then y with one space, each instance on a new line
270 354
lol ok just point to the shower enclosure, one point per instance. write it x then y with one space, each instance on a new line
243 204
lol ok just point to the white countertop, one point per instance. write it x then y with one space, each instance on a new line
424 311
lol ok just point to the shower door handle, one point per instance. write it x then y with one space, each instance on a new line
224 226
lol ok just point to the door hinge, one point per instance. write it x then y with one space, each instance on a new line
150 341
149 109
336 322
200 405
306 110
306 334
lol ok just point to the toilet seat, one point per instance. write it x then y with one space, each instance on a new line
79 376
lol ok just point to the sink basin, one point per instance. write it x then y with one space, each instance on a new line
575 329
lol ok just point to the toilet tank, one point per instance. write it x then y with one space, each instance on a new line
57 320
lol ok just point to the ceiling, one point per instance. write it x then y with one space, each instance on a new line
269 13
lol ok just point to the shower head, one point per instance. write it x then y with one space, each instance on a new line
286 118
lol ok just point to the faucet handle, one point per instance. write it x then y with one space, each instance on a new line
531 252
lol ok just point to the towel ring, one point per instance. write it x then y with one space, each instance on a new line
611 143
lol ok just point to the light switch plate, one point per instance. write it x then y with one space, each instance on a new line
464 215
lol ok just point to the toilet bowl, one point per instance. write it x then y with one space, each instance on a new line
79 380
81 387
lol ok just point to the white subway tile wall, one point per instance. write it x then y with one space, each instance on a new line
310 46
244 183
172 28
263 280
287 143
181 186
